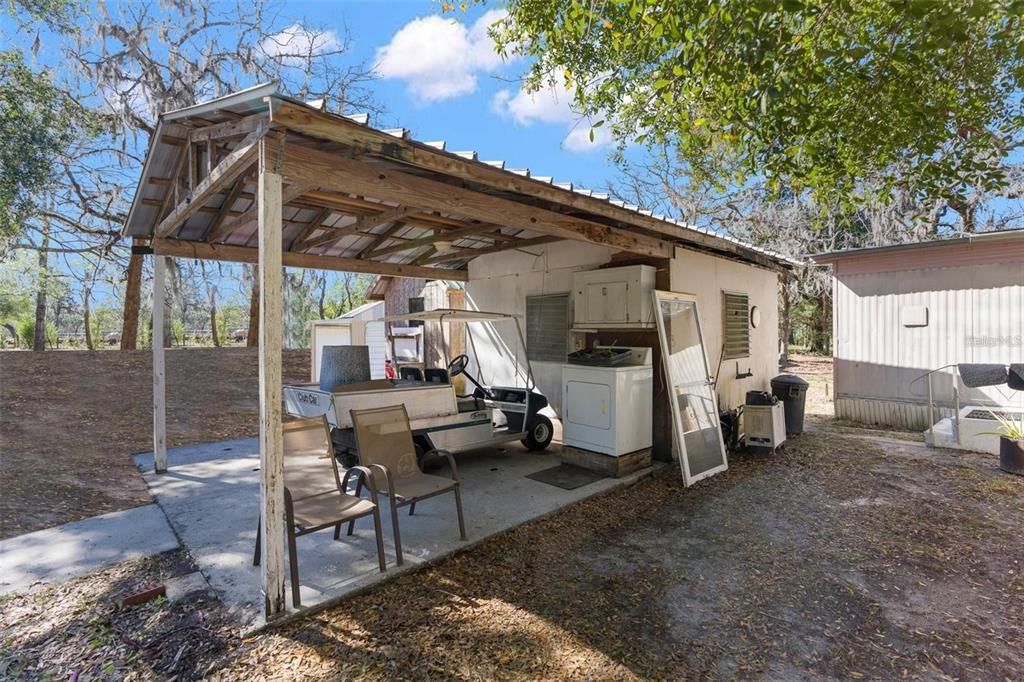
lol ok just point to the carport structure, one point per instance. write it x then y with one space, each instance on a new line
258 177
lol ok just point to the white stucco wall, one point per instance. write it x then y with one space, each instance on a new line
706 277
501 282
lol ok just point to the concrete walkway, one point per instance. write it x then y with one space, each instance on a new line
56 554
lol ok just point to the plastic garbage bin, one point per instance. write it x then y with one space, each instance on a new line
791 390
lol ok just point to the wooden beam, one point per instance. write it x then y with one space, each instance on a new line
359 177
225 208
312 227
159 372
367 140
470 254
269 274
233 165
293 192
378 239
181 248
242 126
450 235
362 224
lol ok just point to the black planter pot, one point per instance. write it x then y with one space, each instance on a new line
1011 455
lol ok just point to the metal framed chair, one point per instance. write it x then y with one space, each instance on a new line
384 441
316 497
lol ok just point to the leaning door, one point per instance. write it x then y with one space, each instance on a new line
695 425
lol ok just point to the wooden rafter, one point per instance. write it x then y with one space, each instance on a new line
422 193
363 224
225 208
469 254
291 193
233 165
242 126
450 235
379 239
181 248
309 229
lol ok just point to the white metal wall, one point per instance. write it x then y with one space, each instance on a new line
975 314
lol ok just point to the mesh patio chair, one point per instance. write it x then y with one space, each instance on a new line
385 445
315 495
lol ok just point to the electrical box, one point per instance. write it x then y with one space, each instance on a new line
765 425
614 298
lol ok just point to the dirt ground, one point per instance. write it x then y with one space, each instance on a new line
841 557
70 421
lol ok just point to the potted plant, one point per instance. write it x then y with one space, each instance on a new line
1011 443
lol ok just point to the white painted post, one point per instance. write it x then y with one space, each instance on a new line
271 445
159 374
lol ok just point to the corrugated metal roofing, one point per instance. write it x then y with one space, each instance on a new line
160 162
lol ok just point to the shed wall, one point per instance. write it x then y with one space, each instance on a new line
975 313
706 277
501 282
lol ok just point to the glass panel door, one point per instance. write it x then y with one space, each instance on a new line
695 425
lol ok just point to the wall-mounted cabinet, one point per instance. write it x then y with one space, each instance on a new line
614 298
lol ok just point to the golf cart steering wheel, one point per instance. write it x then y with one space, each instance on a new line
458 365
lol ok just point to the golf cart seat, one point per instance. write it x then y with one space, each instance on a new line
437 375
410 373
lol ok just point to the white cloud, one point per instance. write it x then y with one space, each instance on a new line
552 104
296 44
578 139
439 58
549 105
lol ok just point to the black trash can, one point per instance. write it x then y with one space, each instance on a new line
791 390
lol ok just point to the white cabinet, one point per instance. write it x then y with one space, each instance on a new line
607 409
613 297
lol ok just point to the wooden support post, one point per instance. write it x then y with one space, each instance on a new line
269 276
159 375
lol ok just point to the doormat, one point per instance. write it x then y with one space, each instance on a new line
566 476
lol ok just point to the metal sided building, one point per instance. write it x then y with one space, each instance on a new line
902 311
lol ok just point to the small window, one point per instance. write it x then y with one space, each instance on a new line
735 325
547 327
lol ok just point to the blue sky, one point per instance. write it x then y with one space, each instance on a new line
440 96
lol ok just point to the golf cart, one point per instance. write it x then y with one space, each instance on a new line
440 419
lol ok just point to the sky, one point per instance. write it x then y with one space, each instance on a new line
440 78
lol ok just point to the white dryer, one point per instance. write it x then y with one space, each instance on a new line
608 409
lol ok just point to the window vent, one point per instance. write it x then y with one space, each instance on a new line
735 325
547 327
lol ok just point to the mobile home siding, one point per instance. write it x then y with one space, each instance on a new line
975 313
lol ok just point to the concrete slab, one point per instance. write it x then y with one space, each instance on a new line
56 554
212 505
184 585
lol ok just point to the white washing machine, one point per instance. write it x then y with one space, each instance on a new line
608 409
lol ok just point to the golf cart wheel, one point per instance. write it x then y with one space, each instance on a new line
539 433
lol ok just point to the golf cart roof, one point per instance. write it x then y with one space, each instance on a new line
451 315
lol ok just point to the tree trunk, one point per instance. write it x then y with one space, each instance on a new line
786 320
39 341
323 296
132 303
252 340
213 316
86 315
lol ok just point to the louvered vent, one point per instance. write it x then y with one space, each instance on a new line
735 325
547 327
